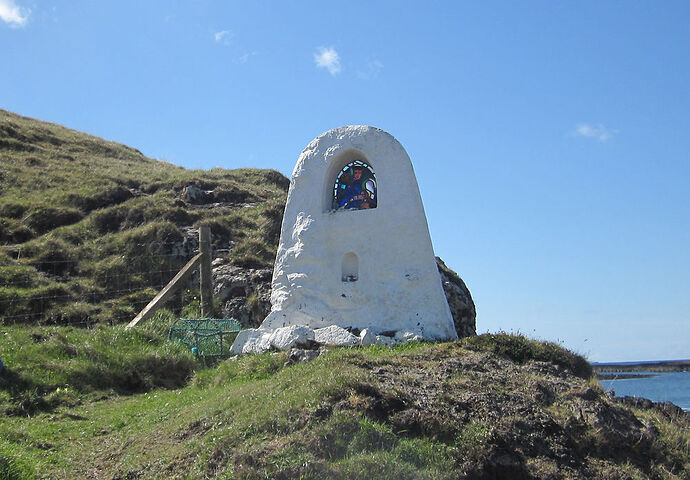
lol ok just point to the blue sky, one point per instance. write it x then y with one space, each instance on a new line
550 139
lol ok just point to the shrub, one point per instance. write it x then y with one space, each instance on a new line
252 253
108 220
520 349
44 218
278 179
59 365
54 256
29 305
74 313
473 440
99 199
272 214
232 195
19 276
12 210
13 231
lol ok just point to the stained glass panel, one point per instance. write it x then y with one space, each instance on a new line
355 187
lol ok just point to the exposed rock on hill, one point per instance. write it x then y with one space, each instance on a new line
243 293
459 300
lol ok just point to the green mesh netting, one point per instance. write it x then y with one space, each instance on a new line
205 337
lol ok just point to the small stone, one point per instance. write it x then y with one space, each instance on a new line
385 341
335 336
294 335
405 337
217 262
298 355
252 340
367 337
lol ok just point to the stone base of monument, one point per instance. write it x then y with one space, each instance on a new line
257 340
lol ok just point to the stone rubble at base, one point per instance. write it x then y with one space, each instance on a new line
335 336
256 340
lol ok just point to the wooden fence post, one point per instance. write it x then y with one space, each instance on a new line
206 279
202 261
165 294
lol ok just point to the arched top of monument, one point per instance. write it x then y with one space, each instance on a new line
367 140
348 132
325 156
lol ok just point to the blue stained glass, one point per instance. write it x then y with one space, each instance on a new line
355 187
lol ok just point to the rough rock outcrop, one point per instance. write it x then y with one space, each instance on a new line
195 195
459 300
244 293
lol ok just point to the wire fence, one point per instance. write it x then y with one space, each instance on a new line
102 285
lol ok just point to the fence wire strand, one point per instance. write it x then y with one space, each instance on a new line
62 288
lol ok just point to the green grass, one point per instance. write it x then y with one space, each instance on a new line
520 349
97 222
49 367
256 417
11 467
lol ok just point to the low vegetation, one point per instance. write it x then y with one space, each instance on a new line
89 229
417 411
49 367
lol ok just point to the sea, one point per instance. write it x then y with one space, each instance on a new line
656 386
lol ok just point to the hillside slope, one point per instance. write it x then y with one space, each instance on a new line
89 229
486 407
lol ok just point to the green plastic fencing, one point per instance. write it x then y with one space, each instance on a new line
205 337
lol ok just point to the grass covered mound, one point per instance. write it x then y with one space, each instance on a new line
50 367
418 411
89 229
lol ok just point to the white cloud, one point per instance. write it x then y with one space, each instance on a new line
597 131
372 70
12 14
224 37
329 59
245 58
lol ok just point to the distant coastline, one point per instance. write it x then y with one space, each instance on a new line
617 375
661 366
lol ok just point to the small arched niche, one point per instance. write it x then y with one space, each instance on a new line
350 267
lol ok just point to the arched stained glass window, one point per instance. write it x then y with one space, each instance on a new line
355 187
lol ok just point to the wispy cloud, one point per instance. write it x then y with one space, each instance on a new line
245 58
372 70
224 37
13 15
329 59
597 131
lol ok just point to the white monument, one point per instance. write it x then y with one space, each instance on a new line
354 247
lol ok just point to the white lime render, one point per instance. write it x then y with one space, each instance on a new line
362 268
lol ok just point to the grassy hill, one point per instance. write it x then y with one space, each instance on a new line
109 404
89 229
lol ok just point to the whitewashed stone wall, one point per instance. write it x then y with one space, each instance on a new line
398 287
